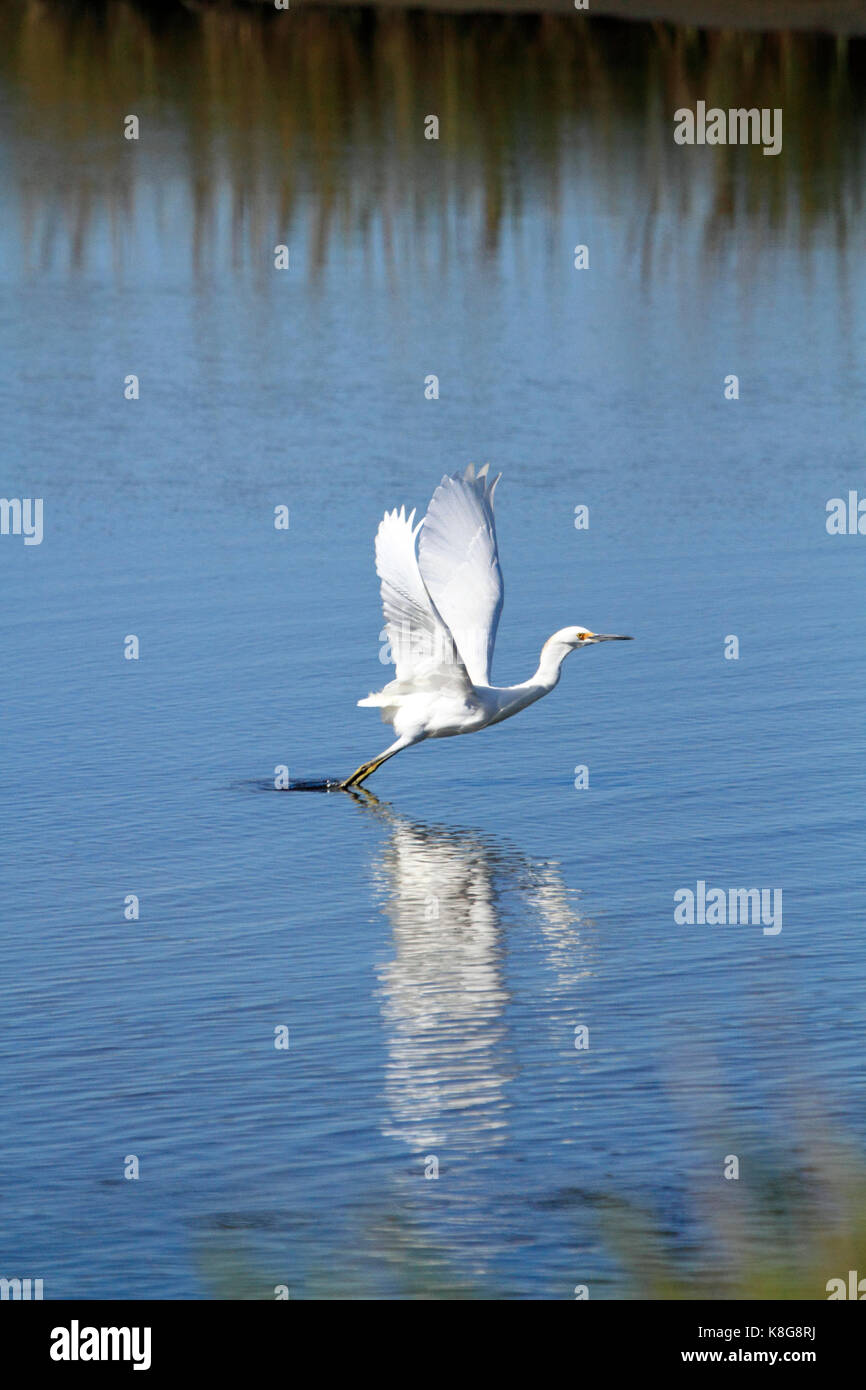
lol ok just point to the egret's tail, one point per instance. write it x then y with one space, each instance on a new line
386 701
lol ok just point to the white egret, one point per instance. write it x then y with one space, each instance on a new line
442 598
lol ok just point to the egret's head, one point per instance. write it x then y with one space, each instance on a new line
582 637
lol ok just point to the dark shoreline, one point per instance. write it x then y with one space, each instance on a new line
827 16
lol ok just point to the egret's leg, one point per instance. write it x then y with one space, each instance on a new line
360 773
366 769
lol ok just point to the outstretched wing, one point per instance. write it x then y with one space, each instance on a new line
459 566
420 642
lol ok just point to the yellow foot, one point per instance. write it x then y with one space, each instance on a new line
360 774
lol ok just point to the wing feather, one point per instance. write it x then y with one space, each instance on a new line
459 566
419 639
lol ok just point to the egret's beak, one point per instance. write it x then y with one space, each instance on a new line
608 637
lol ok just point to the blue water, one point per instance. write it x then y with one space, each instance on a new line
415 1035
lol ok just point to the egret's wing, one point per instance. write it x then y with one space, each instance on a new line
459 566
420 642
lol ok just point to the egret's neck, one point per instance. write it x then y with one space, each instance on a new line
507 700
553 653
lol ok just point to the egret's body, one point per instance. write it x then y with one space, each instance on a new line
442 595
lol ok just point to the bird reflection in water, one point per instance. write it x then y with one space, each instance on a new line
460 903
